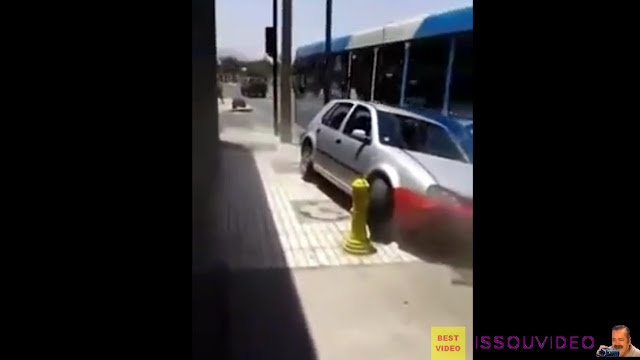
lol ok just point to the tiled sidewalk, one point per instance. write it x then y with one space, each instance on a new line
310 225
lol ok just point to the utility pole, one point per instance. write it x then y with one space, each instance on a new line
275 67
327 51
204 115
285 75
204 155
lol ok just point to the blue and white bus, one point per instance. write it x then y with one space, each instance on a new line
424 64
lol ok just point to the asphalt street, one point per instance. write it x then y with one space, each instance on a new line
261 118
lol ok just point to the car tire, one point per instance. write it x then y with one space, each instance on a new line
380 211
306 162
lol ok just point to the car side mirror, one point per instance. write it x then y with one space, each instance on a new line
361 135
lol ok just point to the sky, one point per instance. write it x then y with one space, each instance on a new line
240 23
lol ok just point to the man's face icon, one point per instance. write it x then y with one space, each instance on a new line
620 340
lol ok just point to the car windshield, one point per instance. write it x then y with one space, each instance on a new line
417 135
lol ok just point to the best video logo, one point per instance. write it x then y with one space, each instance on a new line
447 343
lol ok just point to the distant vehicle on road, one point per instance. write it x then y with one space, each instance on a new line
254 87
414 164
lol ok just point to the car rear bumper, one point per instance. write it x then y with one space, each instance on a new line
420 215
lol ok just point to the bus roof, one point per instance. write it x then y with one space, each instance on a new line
447 22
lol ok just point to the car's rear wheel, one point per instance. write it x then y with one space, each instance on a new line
380 212
306 162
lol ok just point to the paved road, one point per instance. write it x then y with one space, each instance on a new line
230 90
261 118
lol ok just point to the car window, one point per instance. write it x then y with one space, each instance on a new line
334 117
360 119
439 143
417 135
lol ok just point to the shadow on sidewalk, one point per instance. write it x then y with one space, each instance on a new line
245 304
441 239
449 244
336 195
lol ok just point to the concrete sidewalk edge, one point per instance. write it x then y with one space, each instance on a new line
226 106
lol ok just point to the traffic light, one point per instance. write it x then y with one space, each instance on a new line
270 41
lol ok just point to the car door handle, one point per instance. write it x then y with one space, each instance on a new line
338 141
317 131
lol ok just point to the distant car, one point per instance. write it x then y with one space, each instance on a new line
413 164
238 103
254 87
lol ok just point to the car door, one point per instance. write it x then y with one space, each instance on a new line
355 155
327 134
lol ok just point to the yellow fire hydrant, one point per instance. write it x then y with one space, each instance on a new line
357 241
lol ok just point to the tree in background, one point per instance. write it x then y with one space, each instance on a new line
231 69
259 68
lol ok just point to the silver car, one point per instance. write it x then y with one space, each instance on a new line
413 164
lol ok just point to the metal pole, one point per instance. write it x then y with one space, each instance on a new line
373 74
405 69
327 51
285 74
275 67
452 54
349 62
204 125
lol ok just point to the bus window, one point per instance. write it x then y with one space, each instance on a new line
427 73
309 71
361 67
313 75
389 74
299 75
461 87
338 75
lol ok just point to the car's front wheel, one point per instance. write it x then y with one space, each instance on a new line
306 162
380 212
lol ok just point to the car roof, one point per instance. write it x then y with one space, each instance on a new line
398 111
390 109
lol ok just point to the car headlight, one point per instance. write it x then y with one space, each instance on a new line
439 193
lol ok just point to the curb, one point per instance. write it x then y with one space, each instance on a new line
247 108
228 109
